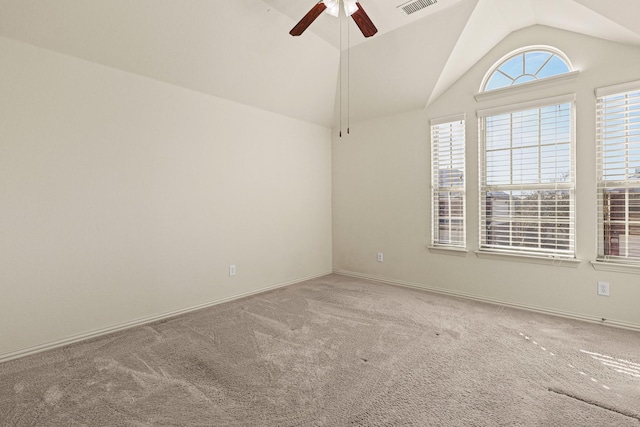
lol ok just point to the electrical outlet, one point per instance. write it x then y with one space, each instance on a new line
380 257
603 289
232 270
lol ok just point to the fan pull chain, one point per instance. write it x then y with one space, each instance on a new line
348 77
340 75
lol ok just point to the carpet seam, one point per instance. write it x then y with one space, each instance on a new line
596 404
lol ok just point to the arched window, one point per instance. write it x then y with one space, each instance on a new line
526 65
527 164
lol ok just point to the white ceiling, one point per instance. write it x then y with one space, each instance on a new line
241 50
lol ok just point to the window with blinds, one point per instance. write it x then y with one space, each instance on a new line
527 178
448 182
618 172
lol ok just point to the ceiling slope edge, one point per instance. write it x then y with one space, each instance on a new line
397 71
485 19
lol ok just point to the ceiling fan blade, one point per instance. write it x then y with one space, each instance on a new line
308 19
363 22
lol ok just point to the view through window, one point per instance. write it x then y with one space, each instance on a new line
526 66
448 182
528 181
618 161
527 161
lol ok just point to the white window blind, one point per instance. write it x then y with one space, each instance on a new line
448 181
527 179
618 173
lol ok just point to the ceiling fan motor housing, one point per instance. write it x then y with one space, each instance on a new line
333 7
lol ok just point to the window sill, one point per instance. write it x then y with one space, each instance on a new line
448 250
615 266
531 259
528 87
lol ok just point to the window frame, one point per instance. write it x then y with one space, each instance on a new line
457 155
570 186
523 51
604 95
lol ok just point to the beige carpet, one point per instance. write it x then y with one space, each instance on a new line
335 351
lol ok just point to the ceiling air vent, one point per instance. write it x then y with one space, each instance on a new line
415 5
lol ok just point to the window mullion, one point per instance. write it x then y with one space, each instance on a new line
449 218
511 201
626 223
626 136
627 169
539 218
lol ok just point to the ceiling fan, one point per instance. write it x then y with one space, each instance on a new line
352 8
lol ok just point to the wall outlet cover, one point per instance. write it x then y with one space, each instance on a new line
603 289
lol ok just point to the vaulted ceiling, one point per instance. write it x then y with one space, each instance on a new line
241 50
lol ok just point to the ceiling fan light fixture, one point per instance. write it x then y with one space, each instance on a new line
350 7
333 7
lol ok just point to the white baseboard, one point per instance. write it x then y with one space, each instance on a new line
559 313
145 320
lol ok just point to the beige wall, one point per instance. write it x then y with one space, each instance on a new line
123 198
381 195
